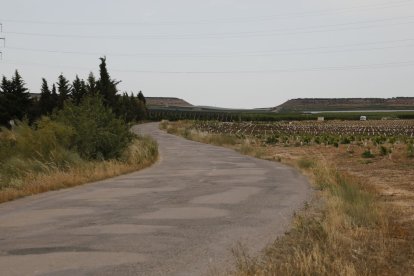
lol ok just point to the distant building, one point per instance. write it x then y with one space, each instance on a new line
363 118
321 119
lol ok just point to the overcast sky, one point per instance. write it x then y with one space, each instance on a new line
227 53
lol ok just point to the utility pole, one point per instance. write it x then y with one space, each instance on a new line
4 41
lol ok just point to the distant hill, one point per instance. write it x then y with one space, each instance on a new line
345 104
166 102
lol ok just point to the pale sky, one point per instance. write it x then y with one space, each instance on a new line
226 53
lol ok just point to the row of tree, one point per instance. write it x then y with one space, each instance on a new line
17 103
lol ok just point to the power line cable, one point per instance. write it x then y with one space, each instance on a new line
291 51
386 5
292 70
273 32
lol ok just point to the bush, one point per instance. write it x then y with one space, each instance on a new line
98 133
410 150
384 150
272 139
45 141
345 140
43 147
367 154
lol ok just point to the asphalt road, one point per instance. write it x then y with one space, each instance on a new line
182 216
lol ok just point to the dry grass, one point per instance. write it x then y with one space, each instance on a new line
183 128
142 153
344 232
360 222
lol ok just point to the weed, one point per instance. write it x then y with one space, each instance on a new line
410 150
385 151
305 163
367 154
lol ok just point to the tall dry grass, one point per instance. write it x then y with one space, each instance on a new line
344 232
28 180
184 129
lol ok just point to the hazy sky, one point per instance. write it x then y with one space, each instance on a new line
228 53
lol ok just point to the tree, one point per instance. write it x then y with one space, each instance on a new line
91 85
98 133
15 99
54 97
141 110
63 89
46 103
78 90
106 86
142 98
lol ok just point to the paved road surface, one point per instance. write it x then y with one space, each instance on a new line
180 217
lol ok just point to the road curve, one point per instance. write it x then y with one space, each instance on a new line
181 216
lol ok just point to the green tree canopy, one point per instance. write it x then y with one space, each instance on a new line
15 99
78 90
99 134
64 90
107 86
46 101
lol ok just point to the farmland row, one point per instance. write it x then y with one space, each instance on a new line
343 128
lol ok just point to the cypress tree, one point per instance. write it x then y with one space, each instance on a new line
54 97
46 104
91 85
4 111
15 99
141 109
142 98
63 89
78 90
106 86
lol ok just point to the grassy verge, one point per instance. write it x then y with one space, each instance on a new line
33 176
349 228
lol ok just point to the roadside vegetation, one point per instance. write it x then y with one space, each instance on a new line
79 139
360 220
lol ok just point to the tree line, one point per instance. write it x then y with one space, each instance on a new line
16 102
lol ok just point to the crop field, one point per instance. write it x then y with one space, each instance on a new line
362 217
313 132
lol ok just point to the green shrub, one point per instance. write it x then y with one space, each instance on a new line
367 154
384 150
410 150
98 133
345 140
272 139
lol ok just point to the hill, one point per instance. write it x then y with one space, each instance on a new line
167 101
346 104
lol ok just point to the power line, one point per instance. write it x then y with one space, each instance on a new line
287 51
273 32
292 70
386 5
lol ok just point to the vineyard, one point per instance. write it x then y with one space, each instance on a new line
306 132
182 113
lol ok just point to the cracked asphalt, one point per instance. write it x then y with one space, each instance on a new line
182 216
